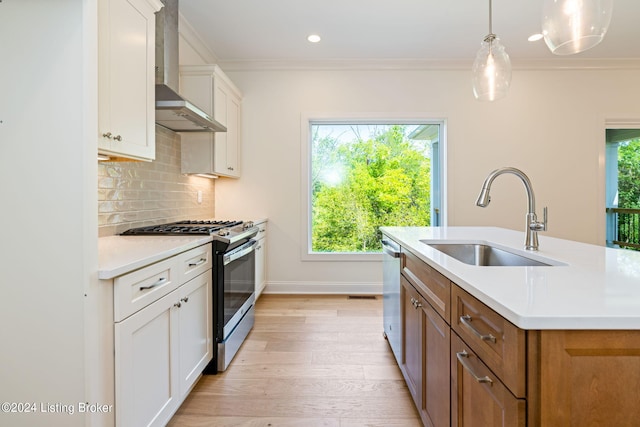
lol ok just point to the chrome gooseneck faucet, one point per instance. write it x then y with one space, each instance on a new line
533 226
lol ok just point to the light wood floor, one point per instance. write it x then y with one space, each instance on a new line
309 361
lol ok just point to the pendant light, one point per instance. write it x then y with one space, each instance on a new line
491 68
573 26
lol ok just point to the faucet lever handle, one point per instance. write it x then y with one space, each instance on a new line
536 225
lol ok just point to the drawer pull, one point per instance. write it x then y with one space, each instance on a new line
462 358
197 263
160 281
466 321
415 303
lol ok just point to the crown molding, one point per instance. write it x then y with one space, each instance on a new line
552 64
191 37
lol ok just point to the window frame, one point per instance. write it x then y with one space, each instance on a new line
307 120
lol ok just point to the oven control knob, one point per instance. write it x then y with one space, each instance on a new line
247 225
223 233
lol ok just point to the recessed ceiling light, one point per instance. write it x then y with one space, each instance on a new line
314 38
535 37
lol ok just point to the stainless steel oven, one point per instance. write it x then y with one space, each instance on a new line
234 269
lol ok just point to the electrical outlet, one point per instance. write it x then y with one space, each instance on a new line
199 197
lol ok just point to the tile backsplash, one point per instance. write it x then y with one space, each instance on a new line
135 194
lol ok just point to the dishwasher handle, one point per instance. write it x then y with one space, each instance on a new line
391 248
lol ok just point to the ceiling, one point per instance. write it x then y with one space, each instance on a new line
245 31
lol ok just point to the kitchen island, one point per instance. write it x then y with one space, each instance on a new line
549 345
598 288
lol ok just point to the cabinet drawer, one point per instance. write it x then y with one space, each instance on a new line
478 397
192 263
138 289
499 343
433 286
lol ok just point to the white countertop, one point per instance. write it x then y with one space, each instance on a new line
118 255
598 288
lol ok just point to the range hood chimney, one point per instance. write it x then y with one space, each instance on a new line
172 110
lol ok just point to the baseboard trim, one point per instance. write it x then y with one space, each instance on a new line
334 288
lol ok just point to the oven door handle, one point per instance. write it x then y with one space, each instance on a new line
240 251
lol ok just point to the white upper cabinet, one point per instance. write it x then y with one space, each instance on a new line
126 78
212 153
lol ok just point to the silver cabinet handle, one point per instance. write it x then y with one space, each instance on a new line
415 303
466 321
117 138
178 305
185 299
160 281
462 358
199 262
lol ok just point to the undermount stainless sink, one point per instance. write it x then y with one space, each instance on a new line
482 254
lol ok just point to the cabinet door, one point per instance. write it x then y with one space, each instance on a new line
437 338
196 329
260 266
126 78
227 110
412 341
232 149
589 378
426 357
145 378
478 398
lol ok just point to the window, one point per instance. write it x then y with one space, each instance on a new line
364 174
622 188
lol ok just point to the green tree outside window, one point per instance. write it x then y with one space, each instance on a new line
364 177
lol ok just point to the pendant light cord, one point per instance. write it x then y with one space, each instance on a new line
490 37
490 18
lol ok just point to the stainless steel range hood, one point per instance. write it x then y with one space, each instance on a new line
172 110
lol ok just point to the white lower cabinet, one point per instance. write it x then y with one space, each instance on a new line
261 258
160 352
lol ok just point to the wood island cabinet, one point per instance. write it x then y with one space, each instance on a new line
587 378
426 337
466 365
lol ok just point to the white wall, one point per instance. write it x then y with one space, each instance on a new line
49 209
551 126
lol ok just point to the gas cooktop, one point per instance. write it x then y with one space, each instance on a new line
227 231
193 227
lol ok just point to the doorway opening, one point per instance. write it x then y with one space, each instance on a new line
622 188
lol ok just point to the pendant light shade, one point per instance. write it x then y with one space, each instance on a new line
491 68
573 26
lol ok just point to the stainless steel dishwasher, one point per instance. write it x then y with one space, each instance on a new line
391 296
